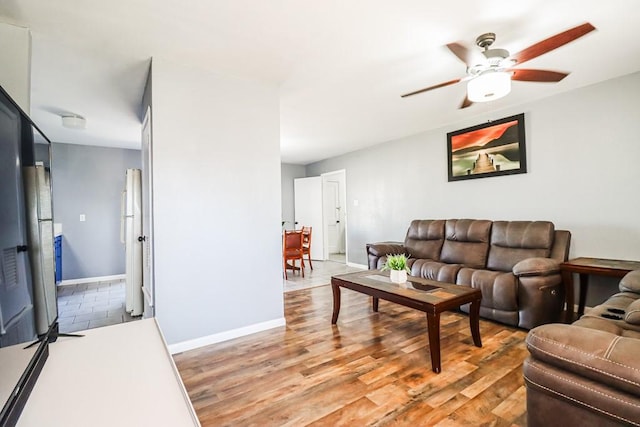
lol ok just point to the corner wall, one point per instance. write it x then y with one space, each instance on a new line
583 152
288 174
15 60
216 204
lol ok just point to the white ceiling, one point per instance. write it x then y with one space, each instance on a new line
341 65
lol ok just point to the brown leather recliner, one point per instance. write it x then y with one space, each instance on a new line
514 263
588 373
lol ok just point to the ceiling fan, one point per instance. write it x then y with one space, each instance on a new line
489 72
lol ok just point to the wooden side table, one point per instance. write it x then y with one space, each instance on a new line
585 267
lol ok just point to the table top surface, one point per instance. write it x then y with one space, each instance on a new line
119 375
424 290
602 263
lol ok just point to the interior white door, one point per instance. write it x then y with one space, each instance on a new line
147 217
308 211
331 209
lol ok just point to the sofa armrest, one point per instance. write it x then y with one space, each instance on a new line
385 248
536 267
598 355
631 282
375 251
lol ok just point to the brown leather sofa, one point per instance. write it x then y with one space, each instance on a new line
514 263
588 373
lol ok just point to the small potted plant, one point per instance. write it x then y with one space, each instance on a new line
397 266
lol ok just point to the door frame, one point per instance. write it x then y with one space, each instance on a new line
342 179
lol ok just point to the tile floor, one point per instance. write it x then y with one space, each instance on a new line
91 305
319 276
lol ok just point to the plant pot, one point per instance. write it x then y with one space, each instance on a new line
398 276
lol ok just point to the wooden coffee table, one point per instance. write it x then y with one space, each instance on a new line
425 295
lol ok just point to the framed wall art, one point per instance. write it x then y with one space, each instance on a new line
490 149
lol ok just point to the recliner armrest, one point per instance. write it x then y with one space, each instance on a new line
386 248
630 282
591 353
536 267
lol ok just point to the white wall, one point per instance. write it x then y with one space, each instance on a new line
288 173
15 60
583 155
216 184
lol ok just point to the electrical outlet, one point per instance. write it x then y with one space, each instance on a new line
83 217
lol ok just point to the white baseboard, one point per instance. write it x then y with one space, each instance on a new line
91 279
360 266
225 336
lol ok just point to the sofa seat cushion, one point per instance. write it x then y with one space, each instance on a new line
434 270
466 242
610 315
595 354
514 241
499 289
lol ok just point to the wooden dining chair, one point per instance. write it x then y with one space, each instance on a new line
291 251
306 244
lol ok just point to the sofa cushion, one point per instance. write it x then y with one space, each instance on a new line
499 289
466 242
632 313
434 270
424 239
631 282
514 241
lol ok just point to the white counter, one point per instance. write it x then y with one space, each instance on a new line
119 375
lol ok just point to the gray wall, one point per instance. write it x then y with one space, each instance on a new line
582 153
287 174
216 204
89 180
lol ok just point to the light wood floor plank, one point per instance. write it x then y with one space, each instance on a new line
371 369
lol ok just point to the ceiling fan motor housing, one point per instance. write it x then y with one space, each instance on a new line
485 40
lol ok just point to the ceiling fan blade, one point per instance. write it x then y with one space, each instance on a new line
450 82
465 55
552 43
537 75
466 103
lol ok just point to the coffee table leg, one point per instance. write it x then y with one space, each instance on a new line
567 280
376 301
474 322
433 323
582 300
336 303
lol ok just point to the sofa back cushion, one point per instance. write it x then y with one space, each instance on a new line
466 242
513 241
424 238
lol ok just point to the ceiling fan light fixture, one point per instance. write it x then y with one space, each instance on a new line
489 86
73 121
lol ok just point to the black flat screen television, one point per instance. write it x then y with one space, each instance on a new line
21 319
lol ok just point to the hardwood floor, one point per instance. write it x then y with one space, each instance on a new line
370 369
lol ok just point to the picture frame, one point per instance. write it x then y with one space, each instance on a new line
495 148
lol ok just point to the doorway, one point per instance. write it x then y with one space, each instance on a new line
334 217
320 202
